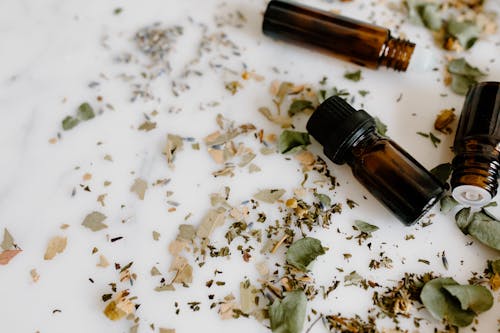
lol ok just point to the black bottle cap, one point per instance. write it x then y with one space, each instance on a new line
337 126
481 113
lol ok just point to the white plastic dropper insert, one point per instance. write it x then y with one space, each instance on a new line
473 196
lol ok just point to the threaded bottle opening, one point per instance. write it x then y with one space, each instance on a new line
396 54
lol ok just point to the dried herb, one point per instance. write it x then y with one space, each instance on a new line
8 240
288 315
442 172
380 126
465 32
303 252
269 195
147 126
93 221
365 226
425 13
85 112
56 245
7 255
174 145
447 204
69 122
353 76
213 219
292 141
463 75
444 119
485 228
139 187
299 105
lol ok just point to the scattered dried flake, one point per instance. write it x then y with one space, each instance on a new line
174 145
183 270
217 155
252 168
64 226
108 158
139 187
7 255
87 176
56 245
93 221
8 240
283 120
155 271
246 159
262 269
147 126
167 330
101 198
247 297
120 307
177 246
213 219
444 120
227 307
166 287
156 235
103 262
306 159
269 195
34 275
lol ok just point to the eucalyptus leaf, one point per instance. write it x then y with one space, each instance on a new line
269 195
288 315
299 105
475 298
212 220
447 203
324 199
443 305
461 84
485 229
85 112
69 122
292 141
365 226
442 172
93 221
462 219
303 252
463 75
466 32
430 16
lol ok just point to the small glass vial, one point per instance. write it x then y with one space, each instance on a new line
355 41
394 177
474 180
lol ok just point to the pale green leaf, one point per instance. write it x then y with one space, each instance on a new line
447 204
303 252
85 112
485 229
462 219
466 32
269 195
292 141
288 315
475 298
69 122
365 226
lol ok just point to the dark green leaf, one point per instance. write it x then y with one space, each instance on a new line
462 219
353 76
485 229
299 105
442 172
475 298
447 204
380 126
365 227
304 251
85 112
69 122
434 139
292 141
363 93
288 315
466 32
442 305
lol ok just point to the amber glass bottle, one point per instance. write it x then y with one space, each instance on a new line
394 177
477 146
355 41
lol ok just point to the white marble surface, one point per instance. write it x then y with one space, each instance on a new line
52 50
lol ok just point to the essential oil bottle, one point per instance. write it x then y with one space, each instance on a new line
394 177
352 40
474 180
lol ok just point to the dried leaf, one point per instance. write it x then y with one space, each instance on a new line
303 252
462 219
447 204
365 227
283 121
56 245
8 240
380 126
93 221
463 75
147 126
167 287
292 141
85 112
184 271
288 315
167 330
139 187
444 119
174 145
485 228
7 255
466 32
442 172
213 219
353 279
69 122
299 105
269 195
120 307
353 76
247 297
475 298
325 200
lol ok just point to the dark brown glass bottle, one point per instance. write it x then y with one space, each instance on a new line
394 177
476 164
352 40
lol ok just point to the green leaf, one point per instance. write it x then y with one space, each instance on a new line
447 204
85 112
299 105
380 126
324 199
463 75
365 227
430 16
269 195
69 122
466 32
475 298
292 141
353 76
442 305
461 84
442 172
303 252
485 229
462 219
288 315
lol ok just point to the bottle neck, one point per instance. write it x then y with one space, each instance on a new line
361 145
396 53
